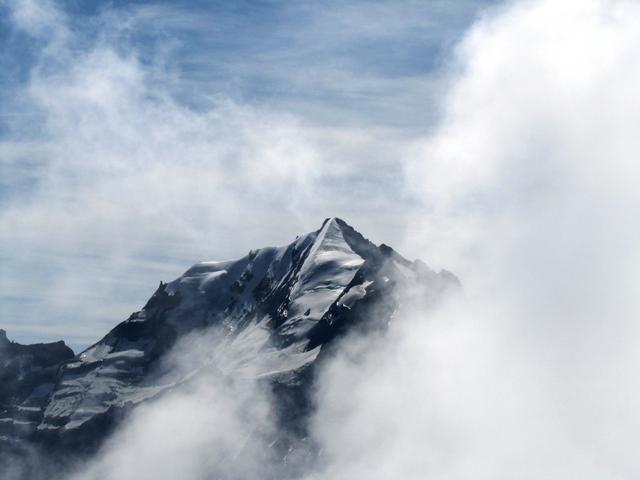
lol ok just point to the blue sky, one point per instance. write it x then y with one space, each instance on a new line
135 135
316 58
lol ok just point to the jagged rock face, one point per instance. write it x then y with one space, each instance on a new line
28 374
300 296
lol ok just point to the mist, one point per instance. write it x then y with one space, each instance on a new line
525 188
214 419
530 183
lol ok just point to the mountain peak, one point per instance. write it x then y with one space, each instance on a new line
330 265
337 222
332 234
334 220
356 241
298 298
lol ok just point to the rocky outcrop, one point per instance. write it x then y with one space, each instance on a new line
28 375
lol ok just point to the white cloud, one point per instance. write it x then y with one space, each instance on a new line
218 423
530 183
528 190
40 19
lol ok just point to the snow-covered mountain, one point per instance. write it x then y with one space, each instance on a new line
280 308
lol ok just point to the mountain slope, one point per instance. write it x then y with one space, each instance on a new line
28 374
281 306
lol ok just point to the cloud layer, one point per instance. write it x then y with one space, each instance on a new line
529 180
526 190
